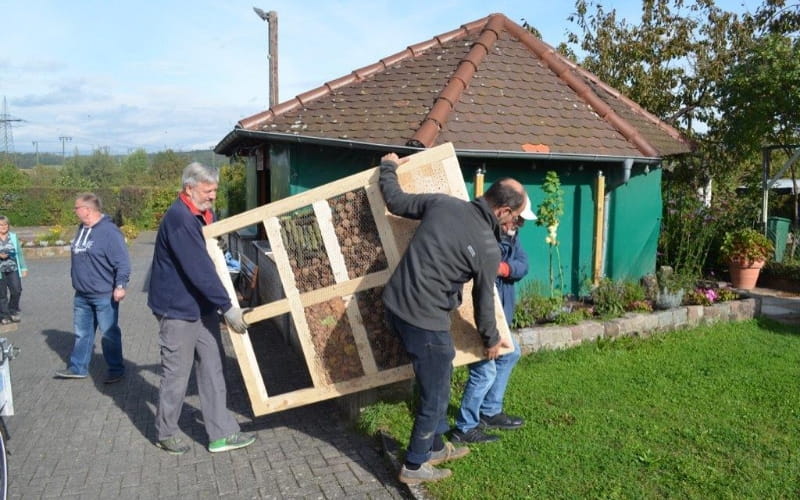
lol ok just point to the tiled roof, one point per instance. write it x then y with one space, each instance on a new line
489 86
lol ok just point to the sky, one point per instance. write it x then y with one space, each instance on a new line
178 74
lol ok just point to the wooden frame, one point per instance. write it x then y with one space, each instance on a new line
336 304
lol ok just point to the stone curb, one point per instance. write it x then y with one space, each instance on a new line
635 325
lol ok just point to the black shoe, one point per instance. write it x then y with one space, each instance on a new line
501 421
113 379
475 435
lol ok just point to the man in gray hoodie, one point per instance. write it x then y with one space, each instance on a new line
456 241
100 272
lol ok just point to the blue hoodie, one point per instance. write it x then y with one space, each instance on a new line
100 259
512 253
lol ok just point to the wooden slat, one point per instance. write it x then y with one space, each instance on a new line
322 211
242 346
282 306
297 312
303 397
350 183
378 207
360 335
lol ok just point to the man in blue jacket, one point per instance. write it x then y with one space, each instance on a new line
100 270
186 297
482 401
456 241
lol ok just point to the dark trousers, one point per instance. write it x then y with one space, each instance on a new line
9 300
431 353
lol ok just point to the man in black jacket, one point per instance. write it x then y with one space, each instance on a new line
456 241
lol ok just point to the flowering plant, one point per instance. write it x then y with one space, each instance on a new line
745 245
705 296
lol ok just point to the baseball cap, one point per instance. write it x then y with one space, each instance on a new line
527 213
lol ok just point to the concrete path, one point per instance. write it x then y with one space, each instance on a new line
84 439
783 307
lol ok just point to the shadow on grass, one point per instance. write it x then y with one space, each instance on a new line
783 328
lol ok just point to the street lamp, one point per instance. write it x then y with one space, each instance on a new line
272 57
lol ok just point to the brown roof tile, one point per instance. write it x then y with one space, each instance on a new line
489 85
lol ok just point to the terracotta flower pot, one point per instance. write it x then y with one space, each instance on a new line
744 274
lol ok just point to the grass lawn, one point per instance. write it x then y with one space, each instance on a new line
712 412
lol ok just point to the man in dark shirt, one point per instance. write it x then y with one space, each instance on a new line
186 297
456 241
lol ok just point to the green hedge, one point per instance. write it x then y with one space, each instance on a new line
48 206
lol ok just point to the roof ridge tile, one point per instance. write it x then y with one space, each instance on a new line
445 102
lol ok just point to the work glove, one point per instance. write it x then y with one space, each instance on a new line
235 320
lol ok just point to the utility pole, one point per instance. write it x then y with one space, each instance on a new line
63 140
36 148
272 56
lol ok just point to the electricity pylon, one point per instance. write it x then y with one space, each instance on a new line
6 121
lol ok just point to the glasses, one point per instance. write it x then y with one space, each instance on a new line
519 221
80 206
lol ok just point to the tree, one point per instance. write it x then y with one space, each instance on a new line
761 95
167 167
99 169
670 62
12 177
711 74
135 168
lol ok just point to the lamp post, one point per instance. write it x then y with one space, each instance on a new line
272 57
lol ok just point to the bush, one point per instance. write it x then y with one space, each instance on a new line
607 298
533 307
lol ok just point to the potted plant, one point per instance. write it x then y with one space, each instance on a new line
745 250
671 287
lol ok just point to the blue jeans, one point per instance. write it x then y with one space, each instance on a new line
485 389
90 313
9 302
431 353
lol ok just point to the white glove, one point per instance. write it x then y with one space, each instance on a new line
235 319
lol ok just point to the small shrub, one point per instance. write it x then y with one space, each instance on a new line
726 294
697 297
607 298
533 307
573 317
787 269
53 235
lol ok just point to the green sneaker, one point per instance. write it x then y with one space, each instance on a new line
173 446
233 442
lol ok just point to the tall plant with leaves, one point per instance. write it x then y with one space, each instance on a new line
549 214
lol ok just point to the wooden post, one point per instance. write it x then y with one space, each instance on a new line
479 174
599 224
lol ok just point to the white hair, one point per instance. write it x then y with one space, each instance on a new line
195 173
